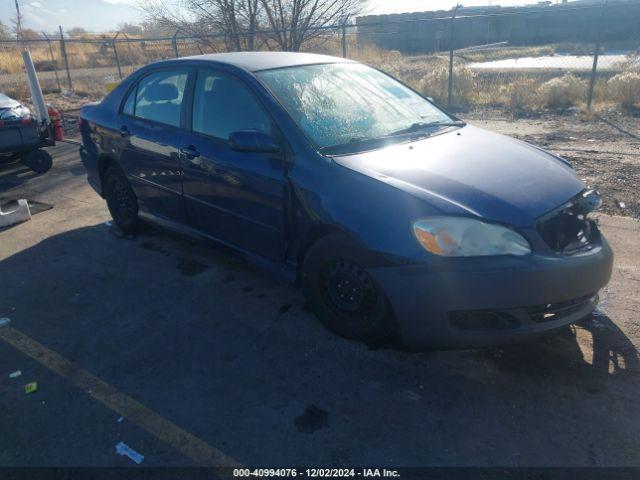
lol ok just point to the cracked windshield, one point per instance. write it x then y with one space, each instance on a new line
339 103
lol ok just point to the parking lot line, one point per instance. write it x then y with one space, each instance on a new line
189 445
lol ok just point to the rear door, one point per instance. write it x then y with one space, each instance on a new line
150 126
235 197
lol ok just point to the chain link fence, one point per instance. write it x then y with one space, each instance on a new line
522 62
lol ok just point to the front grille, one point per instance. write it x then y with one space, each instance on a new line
568 230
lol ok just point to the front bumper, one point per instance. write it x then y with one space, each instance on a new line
443 304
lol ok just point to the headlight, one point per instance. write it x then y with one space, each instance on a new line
466 237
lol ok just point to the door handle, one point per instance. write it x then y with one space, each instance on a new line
124 131
190 152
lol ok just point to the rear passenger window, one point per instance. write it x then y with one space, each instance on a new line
223 105
159 97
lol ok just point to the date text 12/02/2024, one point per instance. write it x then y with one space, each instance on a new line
316 473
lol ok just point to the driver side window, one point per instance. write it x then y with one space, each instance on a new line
223 105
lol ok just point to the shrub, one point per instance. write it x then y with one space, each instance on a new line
562 92
387 60
624 89
522 94
436 84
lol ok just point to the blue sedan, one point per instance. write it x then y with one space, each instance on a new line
398 219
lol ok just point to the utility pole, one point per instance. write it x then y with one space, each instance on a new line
18 22
452 38
65 59
596 54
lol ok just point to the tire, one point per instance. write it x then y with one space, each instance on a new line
332 271
38 160
121 200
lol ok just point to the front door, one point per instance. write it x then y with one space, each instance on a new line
150 126
234 197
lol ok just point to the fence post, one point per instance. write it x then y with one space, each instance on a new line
174 42
344 40
115 54
451 39
596 54
63 52
53 60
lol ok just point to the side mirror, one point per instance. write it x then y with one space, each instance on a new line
253 141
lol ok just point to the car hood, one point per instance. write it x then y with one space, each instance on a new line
473 171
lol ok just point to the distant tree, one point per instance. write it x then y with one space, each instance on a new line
151 28
29 34
237 20
130 28
5 32
288 23
76 32
294 22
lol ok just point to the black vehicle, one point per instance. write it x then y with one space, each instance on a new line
22 137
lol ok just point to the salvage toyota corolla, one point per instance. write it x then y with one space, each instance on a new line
397 218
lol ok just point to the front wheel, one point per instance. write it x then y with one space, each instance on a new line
342 294
121 200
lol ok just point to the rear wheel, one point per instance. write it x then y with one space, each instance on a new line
38 160
342 294
121 200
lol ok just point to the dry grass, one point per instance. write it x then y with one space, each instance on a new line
516 91
624 88
522 94
435 84
562 92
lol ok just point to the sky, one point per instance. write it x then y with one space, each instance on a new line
397 6
95 15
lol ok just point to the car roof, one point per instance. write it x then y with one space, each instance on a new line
256 61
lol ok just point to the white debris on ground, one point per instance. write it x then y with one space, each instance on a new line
124 449
19 214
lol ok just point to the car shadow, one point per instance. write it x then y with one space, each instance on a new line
15 173
593 346
173 322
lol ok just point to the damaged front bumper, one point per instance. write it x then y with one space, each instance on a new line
482 301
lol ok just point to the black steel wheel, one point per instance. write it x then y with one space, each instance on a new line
342 294
348 290
121 200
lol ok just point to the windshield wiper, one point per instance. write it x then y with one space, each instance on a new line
391 137
419 126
